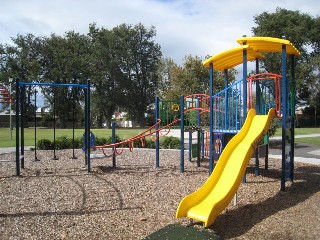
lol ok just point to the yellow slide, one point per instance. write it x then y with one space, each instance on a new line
216 193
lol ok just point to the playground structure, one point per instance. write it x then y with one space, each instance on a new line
5 95
227 113
272 99
20 115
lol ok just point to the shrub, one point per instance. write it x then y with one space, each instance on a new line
63 142
170 143
100 141
150 144
77 143
44 144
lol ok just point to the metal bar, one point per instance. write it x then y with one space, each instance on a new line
211 119
17 127
181 133
54 127
35 126
157 132
22 98
53 84
114 141
293 106
284 115
73 121
190 145
245 104
88 125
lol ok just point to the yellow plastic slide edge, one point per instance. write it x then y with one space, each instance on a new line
196 197
232 57
268 44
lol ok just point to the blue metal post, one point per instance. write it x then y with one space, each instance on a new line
258 90
226 96
190 145
35 126
199 112
54 127
22 119
85 126
88 126
181 133
200 146
202 143
211 119
114 156
284 114
17 127
245 93
256 170
293 106
157 133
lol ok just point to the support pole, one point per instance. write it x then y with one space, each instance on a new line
293 114
284 115
73 122
245 94
17 127
199 146
245 88
114 155
202 143
88 126
211 119
226 96
157 133
35 126
54 127
256 169
181 133
190 145
199 133
22 120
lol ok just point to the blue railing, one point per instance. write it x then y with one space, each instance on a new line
228 108
228 104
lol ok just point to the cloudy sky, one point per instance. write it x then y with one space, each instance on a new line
197 27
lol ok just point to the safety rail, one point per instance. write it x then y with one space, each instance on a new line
267 92
199 102
228 105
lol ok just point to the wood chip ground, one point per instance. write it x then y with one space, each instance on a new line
58 199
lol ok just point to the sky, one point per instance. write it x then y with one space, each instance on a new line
196 27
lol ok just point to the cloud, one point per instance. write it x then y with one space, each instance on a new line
197 27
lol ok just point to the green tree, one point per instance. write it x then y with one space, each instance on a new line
138 57
191 78
303 31
106 74
65 59
165 67
21 61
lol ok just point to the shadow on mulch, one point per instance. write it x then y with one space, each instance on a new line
247 216
176 231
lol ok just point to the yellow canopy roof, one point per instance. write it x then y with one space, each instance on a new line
269 44
232 58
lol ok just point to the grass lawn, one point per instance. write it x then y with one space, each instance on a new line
5 136
123 133
313 141
301 131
